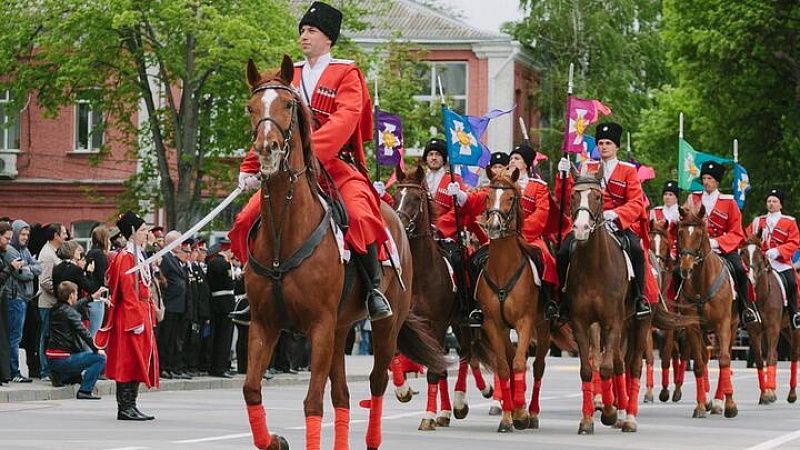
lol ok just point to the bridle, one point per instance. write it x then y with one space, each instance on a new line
506 218
696 253
663 260
413 220
287 132
597 213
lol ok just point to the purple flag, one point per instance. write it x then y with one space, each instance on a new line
470 174
389 149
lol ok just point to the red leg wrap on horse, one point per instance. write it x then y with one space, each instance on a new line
608 392
701 389
665 378
537 388
680 371
398 377
480 383
341 429
588 398
596 383
519 389
725 383
433 392
258 426
506 389
793 375
633 397
619 385
762 380
705 380
498 391
313 432
444 394
772 375
461 380
650 376
374 426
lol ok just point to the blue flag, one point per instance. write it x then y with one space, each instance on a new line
741 184
463 146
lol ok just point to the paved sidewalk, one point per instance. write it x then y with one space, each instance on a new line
358 369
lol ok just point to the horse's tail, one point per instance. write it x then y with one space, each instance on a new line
665 320
416 342
562 336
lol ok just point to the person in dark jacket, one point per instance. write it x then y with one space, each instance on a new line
172 329
96 257
66 351
5 277
73 268
221 281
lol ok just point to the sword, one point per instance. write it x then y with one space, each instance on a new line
203 222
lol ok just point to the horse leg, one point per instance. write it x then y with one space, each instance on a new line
666 356
756 345
340 393
443 419
612 368
498 340
648 356
697 351
497 397
261 343
640 339
486 389
773 334
725 334
401 388
321 335
460 404
428 422
520 415
542 347
384 342
586 425
795 355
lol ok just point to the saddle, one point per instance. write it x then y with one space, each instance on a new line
333 198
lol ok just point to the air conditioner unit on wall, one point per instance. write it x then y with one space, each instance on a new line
8 165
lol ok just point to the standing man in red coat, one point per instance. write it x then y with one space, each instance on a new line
336 92
780 239
725 232
127 334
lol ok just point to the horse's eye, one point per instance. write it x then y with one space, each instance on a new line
289 105
248 109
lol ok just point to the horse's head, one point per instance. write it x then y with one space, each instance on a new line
413 201
503 213
693 241
754 258
586 203
660 240
276 115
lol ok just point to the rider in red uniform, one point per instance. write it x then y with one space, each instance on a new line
669 212
336 92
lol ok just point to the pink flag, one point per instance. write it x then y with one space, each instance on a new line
580 114
645 173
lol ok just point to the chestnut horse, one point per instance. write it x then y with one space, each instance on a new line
706 290
304 286
508 293
774 318
661 251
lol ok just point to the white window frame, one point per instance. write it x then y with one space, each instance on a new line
5 145
434 86
85 241
90 121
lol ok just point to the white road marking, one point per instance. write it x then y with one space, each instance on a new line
777 442
215 438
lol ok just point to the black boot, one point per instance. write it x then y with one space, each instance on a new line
241 316
135 394
642 305
126 404
371 271
550 307
748 312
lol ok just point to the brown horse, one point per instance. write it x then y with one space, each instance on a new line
508 293
774 318
597 284
304 287
660 249
435 299
706 288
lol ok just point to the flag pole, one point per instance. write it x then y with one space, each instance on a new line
680 126
736 151
377 132
461 243
564 155
630 150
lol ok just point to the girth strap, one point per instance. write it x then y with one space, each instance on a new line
714 288
502 293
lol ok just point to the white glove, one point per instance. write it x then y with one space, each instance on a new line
610 215
249 181
714 244
453 188
380 187
773 253
563 165
139 329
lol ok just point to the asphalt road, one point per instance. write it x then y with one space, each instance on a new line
215 419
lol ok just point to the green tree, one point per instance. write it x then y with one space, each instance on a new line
183 59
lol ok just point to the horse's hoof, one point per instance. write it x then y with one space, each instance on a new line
404 397
609 419
699 413
522 421
489 393
533 423
629 426
618 424
731 411
443 421
505 427
461 413
586 428
792 396
598 403
716 407
664 395
495 411
278 442
773 397
648 396
763 399
676 396
427 425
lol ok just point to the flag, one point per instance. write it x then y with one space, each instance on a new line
470 175
463 146
589 151
390 138
741 184
689 163
643 172
580 114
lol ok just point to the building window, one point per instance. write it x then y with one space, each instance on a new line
454 84
88 127
82 232
9 124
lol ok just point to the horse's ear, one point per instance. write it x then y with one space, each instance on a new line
515 175
683 212
701 213
253 77
489 173
287 69
398 172
419 174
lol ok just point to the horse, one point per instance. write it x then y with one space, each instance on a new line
707 288
774 318
303 287
508 293
673 343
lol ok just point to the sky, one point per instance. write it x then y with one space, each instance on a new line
486 14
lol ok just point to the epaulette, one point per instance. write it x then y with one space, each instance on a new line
300 64
342 61
626 163
726 196
538 180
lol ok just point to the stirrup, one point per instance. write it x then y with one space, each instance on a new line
551 311
475 318
643 308
241 317
377 311
750 315
794 321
